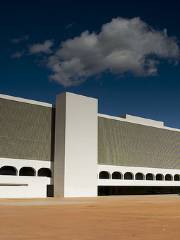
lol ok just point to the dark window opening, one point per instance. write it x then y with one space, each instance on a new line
27 171
50 190
176 177
128 176
8 170
116 175
149 176
44 172
139 176
104 175
159 177
168 177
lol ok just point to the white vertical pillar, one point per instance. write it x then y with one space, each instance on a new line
75 164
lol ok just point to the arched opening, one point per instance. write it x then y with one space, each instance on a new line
8 170
26 171
44 172
168 177
176 177
149 176
104 175
159 177
116 175
128 176
139 176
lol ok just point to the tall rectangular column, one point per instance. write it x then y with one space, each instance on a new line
75 164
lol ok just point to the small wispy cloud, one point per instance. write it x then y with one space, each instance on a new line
69 25
20 39
17 55
44 47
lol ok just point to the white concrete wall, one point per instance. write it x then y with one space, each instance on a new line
24 186
59 150
19 163
75 163
144 121
134 170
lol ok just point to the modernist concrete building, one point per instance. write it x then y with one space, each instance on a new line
71 150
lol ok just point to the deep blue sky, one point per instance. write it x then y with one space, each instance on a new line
155 97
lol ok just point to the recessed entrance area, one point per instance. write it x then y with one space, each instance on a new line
131 190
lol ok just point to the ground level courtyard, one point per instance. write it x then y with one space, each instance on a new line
113 217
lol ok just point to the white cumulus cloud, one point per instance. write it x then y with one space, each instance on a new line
122 45
44 47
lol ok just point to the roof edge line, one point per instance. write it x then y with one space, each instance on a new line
143 124
24 100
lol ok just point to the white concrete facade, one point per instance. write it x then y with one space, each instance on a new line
75 146
144 121
24 186
19 163
75 171
134 170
